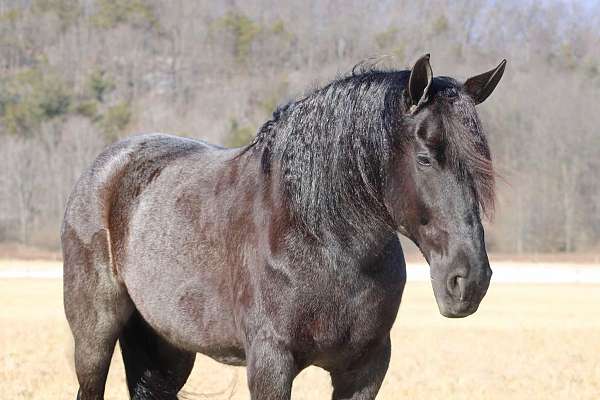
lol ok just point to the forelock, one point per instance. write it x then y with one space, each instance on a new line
467 150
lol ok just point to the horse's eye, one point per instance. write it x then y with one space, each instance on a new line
424 160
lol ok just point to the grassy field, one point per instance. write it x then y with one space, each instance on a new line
525 342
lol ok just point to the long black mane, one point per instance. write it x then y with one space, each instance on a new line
333 148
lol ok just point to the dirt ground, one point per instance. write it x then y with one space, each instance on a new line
525 342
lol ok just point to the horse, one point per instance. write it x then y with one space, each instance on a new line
283 253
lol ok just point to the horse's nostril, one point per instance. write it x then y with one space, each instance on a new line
455 285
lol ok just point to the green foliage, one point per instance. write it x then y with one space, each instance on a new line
278 29
115 120
36 95
88 109
110 13
31 97
243 31
238 135
100 84
54 98
22 118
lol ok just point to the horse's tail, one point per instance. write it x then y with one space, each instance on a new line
152 366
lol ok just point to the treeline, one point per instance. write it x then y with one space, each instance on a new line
78 74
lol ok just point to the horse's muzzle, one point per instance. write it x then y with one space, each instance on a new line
459 294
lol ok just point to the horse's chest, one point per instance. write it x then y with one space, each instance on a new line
347 321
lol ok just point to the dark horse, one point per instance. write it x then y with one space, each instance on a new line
284 253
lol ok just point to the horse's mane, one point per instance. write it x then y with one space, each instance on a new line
333 147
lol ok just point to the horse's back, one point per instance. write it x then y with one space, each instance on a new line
134 161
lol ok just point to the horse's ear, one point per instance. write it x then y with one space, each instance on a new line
419 81
481 86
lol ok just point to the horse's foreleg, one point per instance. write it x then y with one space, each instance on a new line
362 380
270 370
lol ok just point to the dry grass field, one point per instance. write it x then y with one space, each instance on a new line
525 342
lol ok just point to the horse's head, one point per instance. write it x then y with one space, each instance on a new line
440 179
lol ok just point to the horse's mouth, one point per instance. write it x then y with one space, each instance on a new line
458 309
461 299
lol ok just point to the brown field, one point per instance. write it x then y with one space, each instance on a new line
525 342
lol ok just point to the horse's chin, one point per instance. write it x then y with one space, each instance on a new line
458 309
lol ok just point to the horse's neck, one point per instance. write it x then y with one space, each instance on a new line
334 246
